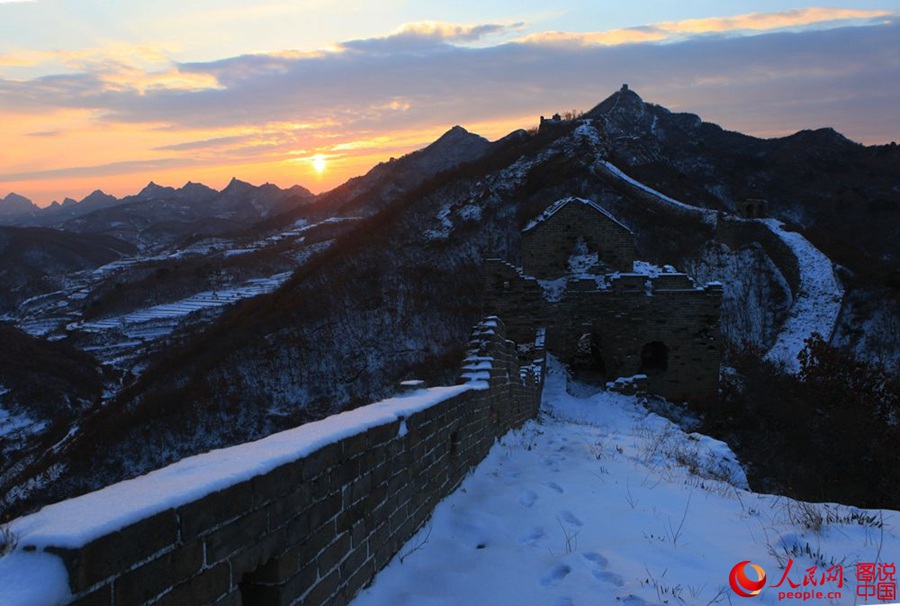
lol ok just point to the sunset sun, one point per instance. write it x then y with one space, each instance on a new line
319 163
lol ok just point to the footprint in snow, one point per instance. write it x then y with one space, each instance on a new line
556 575
598 564
556 487
527 498
531 538
597 560
567 516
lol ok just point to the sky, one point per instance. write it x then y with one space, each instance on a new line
97 94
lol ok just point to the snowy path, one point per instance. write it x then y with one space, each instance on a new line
817 302
589 506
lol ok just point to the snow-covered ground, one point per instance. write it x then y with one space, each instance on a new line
817 303
186 306
601 502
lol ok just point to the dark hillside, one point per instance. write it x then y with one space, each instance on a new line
37 260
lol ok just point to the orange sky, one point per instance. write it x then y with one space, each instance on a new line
153 103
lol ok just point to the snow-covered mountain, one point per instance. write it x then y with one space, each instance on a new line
217 333
159 216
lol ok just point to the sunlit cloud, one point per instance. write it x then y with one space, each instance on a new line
749 23
132 110
452 32
608 38
45 133
217 142
798 18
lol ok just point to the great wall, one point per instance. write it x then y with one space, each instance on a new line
306 516
309 515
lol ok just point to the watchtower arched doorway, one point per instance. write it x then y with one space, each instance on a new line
654 358
587 364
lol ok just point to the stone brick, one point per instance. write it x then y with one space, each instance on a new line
210 512
324 590
353 561
256 554
349 516
118 551
319 462
235 535
316 541
302 582
361 578
282 480
382 434
332 555
324 510
288 507
277 569
206 588
355 445
158 575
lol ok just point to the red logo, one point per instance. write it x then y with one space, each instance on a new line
741 583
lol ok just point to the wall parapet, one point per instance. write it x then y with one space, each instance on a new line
306 516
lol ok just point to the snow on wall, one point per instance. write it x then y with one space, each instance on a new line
817 303
76 522
662 197
222 515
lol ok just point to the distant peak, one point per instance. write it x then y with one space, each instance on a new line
457 133
236 186
191 186
14 204
235 182
13 197
623 99
98 196
152 190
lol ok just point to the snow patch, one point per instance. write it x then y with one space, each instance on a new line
76 522
817 303
601 502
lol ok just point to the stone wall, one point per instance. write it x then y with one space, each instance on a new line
736 233
311 530
632 312
547 245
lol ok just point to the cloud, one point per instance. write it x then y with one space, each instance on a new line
99 170
206 144
820 67
672 31
797 18
450 32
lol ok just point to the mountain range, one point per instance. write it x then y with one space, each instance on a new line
213 318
